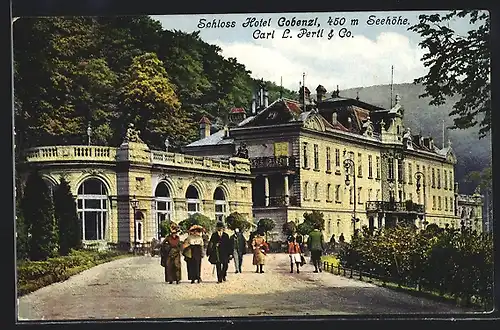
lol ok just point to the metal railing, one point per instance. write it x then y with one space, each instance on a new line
386 206
273 162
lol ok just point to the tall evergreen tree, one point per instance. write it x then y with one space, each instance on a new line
69 225
38 212
21 233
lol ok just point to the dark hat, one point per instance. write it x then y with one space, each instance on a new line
220 224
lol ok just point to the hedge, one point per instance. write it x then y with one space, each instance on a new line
451 262
33 275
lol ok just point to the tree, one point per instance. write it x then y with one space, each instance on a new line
316 218
21 233
197 219
151 103
69 224
289 228
165 228
237 220
38 212
265 225
458 65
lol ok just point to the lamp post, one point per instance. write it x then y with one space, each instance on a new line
89 132
167 144
421 176
135 204
349 165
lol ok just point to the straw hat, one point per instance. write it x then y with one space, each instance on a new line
195 228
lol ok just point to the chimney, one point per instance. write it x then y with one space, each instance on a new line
204 127
320 92
254 104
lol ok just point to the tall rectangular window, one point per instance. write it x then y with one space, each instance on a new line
438 178
316 157
390 172
304 155
360 164
377 165
445 176
337 157
410 174
370 170
433 178
400 170
328 160
337 193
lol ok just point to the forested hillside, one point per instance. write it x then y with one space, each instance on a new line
107 72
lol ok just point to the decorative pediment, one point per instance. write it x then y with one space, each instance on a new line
315 122
93 172
451 157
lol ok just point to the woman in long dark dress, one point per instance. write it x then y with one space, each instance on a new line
170 250
193 253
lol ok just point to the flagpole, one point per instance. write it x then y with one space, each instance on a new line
392 81
304 90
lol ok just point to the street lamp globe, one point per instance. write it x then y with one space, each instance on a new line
134 203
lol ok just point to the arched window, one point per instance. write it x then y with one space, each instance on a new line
163 205
220 204
472 214
92 207
463 215
193 200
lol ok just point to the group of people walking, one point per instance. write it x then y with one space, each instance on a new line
220 249
316 245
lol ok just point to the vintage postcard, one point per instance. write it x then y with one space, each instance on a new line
247 165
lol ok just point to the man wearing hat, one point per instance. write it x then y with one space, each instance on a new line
219 251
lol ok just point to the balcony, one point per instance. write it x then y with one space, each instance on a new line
282 162
278 201
394 207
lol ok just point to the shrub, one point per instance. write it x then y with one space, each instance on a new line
237 220
197 219
454 262
33 275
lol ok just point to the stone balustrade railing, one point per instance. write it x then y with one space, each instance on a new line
108 154
188 161
66 153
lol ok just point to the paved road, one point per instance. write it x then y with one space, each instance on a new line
134 288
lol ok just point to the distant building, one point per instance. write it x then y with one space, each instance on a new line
355 162
470 211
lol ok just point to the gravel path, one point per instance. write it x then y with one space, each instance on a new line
134 288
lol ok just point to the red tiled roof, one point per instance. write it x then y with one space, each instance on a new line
340 127
204 120
293 106
237 110
362 114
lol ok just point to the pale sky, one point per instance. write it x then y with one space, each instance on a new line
361 60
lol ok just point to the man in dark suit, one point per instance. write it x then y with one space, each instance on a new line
219 251
239 249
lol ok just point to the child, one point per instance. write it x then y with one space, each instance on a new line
295 253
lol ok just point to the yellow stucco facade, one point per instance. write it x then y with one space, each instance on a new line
104 180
